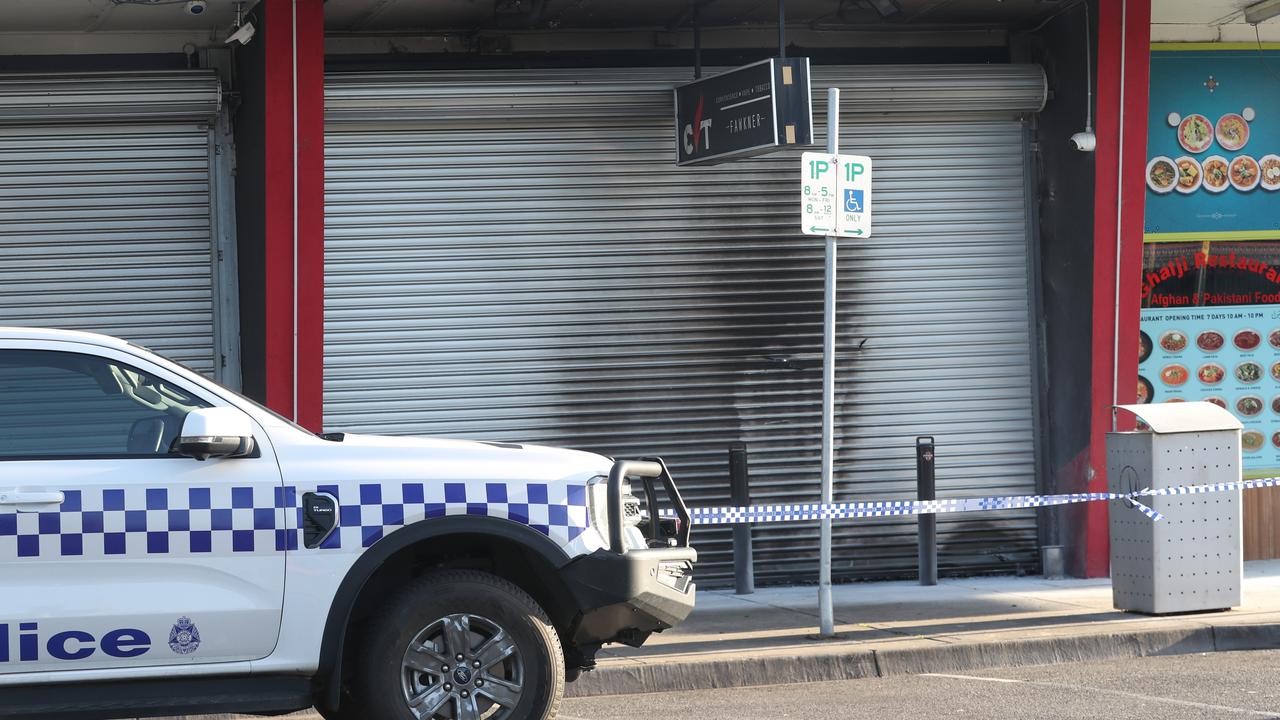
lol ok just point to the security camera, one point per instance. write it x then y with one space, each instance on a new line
242 34
1085 141
197 7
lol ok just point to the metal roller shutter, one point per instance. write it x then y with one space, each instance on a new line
499 268
107 226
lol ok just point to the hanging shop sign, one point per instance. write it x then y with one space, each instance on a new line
835 195
1210 286
748 111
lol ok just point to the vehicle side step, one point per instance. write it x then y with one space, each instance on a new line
154 698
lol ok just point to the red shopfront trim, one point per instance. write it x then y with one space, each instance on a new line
1124 60
294 208
310 53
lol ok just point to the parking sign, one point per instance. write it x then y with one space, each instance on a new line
835 195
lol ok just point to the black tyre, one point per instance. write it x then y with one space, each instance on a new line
511 667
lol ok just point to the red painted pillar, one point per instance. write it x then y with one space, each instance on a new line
294 208
1124 59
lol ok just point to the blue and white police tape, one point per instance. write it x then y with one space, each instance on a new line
891 508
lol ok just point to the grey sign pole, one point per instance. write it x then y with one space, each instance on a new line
825 612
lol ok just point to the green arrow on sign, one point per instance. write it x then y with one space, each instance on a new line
858 231
816 229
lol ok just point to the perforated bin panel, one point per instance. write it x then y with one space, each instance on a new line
1129 466
1191 560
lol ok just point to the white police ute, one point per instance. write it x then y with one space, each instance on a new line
169 547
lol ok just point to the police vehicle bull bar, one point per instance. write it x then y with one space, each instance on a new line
650 471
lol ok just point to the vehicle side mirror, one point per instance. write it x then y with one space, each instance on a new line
216 433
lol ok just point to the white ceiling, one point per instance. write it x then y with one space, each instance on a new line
1208 21
1197 11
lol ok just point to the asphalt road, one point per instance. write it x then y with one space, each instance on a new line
1204 687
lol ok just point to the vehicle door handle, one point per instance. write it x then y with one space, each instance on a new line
14 497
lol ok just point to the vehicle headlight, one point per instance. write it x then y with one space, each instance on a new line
598 504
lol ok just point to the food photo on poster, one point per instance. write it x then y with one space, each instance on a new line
1228 356
1213 164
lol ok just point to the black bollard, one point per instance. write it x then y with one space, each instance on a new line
744 579
926 489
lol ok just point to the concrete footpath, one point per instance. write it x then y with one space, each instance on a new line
894 628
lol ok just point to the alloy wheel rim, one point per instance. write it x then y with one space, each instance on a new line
462 667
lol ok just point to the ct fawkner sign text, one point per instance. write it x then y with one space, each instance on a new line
747 111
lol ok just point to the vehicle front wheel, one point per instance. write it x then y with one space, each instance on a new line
460 645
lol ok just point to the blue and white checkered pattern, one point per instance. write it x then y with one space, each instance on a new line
897 508
370 511
142 521
882 508
1215 487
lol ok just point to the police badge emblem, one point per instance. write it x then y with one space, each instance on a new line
184 638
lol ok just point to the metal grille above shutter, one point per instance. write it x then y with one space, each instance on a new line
111 97
498 268
107 227
432 98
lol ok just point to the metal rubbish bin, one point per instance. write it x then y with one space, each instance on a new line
1193 558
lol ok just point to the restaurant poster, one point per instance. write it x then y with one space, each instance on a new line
1210 326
